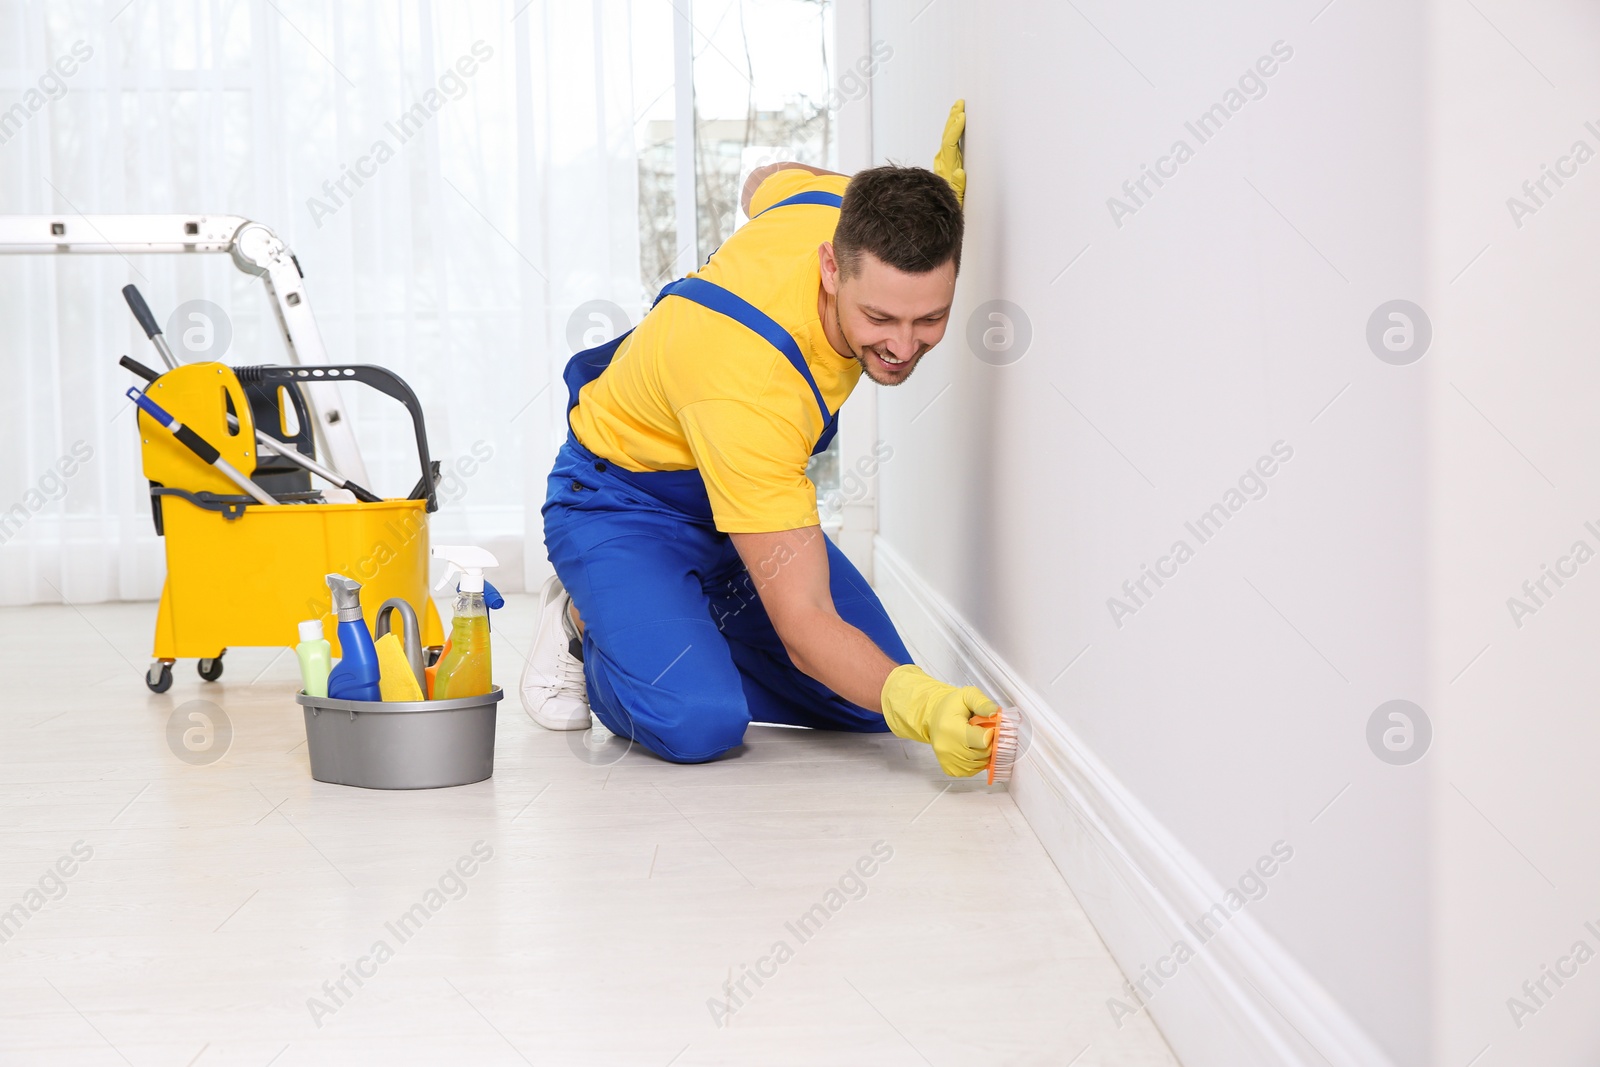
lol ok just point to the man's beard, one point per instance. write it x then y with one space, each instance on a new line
865 356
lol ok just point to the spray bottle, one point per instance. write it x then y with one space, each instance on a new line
464 671
356 676
494 601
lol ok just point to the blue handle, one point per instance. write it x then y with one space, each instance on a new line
150 407
187 437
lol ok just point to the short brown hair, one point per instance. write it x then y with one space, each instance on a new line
908 217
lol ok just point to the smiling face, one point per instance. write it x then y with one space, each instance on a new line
885 318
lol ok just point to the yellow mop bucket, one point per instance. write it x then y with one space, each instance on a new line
240 573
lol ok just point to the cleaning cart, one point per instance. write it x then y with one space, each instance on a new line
241 572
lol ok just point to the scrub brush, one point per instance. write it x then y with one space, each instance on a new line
1007 727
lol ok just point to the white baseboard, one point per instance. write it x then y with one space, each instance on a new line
1242 999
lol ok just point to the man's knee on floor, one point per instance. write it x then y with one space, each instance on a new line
692 712
702 735
680 727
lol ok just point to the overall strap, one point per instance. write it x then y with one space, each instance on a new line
584 367
714 297
812 196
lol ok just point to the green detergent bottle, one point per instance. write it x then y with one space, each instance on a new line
316 658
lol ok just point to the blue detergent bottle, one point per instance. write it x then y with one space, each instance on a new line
356 676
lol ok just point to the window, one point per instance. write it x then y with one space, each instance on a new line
761 73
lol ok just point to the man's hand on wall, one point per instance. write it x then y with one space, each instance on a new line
950 164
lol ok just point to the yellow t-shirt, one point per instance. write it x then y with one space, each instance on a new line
692 388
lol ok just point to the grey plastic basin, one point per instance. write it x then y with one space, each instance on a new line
424 744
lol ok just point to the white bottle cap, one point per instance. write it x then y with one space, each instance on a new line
311 630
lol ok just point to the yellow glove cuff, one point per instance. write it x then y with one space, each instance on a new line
905 698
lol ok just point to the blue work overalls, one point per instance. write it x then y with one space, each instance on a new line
678 651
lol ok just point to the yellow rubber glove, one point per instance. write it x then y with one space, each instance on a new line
950 164
919 708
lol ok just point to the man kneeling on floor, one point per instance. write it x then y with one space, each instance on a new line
694 590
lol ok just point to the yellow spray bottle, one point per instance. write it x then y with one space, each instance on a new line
465 670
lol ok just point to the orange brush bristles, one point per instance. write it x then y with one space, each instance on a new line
1003 755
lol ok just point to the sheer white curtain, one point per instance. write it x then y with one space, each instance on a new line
455 180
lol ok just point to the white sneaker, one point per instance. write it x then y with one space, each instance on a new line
553 689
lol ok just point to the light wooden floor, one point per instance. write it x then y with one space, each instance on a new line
622 892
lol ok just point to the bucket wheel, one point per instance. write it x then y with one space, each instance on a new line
159 676
211 669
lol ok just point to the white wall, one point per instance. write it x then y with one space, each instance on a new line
1516 796
1220 318
1226 314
